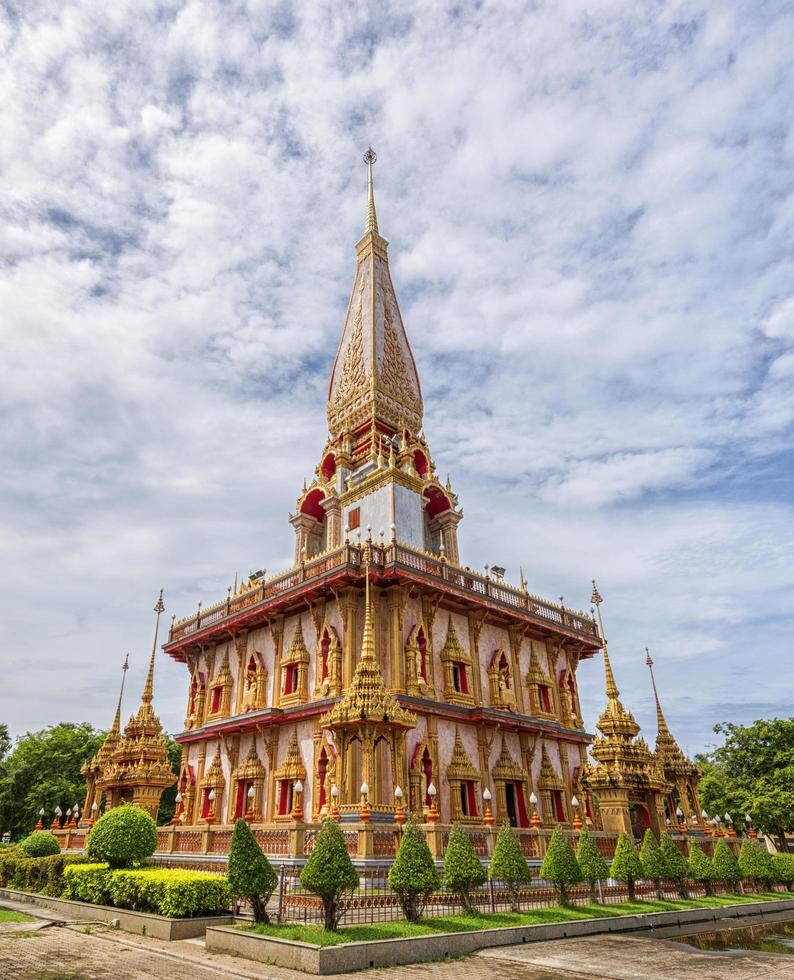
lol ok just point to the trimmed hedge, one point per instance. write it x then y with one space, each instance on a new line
164 891
44 874
125 836
41 843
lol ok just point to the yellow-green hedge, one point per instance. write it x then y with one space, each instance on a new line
164 891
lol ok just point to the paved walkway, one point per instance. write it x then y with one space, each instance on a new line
72 952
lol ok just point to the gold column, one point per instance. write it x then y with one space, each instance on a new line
241 646
349 606
397 600
516 639
475 628
277 632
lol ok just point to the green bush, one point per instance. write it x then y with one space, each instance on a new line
329 872
755 863
725 865
413 875
626 865
508 864
41 843
653 863
560 865
591 862
701 867
783 868
123 837
163 891
463 870
251 876
43 874
676 865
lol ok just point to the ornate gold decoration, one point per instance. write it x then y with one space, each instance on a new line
295 659
500 680
292 767
457 669
462 770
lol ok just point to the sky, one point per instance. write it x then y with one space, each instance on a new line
591 217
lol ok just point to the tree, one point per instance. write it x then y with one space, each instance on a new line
725 865
124 836
755 863
168 800
626 865
676 866
463 870
653 864
783 867
43 770
591 862
559 864
251 876
413 875
753 772
508 864
329 872
5 741
701 867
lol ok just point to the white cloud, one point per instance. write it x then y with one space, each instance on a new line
590 213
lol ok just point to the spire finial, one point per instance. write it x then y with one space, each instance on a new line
612 688
660 720
148 690
116 727
371 223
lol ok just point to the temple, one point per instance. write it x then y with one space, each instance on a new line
379 675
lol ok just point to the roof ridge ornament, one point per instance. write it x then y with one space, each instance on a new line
371 221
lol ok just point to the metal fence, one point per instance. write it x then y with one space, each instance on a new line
374 901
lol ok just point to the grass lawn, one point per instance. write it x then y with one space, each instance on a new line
468 923
6 915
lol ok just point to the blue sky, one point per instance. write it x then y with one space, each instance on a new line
591 213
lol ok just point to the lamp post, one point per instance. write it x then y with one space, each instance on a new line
487 815
178 810
250 816
297 801
750 832
704 817
56 819
336 813
719 832
40 824
364 812
94 808
76 815
432 813
534 820
577 820
682 827
68 823
399 809
729 825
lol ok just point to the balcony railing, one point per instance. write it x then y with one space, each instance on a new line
385 557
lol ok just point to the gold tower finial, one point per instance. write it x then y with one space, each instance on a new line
612 688
660 719
371 222
148 690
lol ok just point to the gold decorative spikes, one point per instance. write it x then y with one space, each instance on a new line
460 765
506 767
549 777
367 699
297 652
292 767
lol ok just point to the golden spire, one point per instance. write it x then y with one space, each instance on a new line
367 699
116 726
660 720
148 690
612 689
371 222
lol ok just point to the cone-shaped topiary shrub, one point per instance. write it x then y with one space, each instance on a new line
653 865
726 867
508 864
755 863
591 862
41 843
251 876
560 865
329 872
626 865
676 866
125 836
463 870
783 867
701 867
413 875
